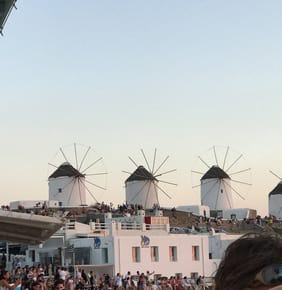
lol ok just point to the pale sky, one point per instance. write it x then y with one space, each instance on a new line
180 76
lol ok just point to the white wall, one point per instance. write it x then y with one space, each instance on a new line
216 194
275 205
195 209
123 255
142 192
73 192
241 213
218 244
30 204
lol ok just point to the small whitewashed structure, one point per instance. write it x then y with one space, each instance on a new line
33 204
141 188
199 210
239 214
216 190
136 243
67 185
218 244
275 201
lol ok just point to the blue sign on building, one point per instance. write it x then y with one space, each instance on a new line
97 242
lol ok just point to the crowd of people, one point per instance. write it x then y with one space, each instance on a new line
37 278
253 261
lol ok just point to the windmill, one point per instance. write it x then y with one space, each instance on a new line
76 173
143 185
275 199
222 175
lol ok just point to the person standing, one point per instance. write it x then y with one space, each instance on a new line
5 281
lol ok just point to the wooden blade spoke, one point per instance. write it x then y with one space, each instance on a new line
204 162
236 160
99 173
64 155
162 190
275 174
225 157
233 189
96 161
167 182
84 157
132 161
146 160
214 151
241 171
87 189
154 161
75 153
198 172
173 170
161 165
96 185
241 182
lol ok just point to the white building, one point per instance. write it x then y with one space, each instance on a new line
141 188
199 210
239 213
130 244
67 185
275 201
216 190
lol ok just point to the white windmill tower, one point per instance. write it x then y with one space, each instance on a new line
142 186
75 175
216 190
217 186
275 199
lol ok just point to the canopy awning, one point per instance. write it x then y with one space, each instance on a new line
27 228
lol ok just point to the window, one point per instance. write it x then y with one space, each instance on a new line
32 255
136 254
82 256
154 254
172 254
105 257
195 253
59 190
